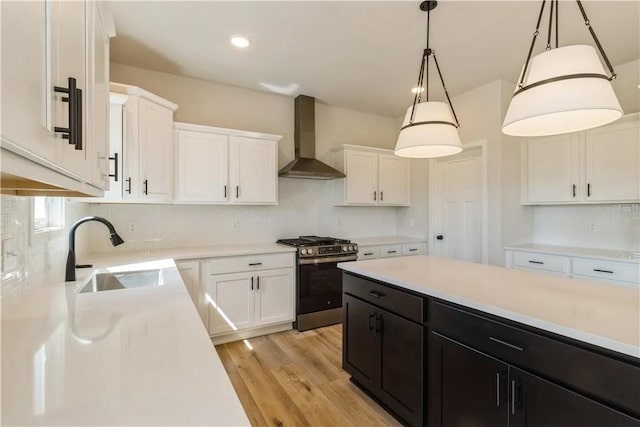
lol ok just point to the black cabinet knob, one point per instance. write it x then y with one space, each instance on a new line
440 237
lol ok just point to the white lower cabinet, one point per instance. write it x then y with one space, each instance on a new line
615 272
245 293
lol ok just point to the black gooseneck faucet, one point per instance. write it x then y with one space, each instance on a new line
116 240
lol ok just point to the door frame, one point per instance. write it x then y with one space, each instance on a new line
434 199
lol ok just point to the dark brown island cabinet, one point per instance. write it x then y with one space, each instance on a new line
438 364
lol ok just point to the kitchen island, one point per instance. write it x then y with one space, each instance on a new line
490 344
136 356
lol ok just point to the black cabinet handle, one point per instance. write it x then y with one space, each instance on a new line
382 196
588 190
252 264
375 294
375 196
251 282
513 397
439 237
146 186
513 346
78 121
258 283
379 323
392 252
536 262
498 389
372 317
368 253
237 191
69 132
225 191
603 271
114 175
413 249
574 190
128 190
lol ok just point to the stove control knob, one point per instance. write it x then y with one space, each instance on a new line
345 249
303 251
310 251
351 248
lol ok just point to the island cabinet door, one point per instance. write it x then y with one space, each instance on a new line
360 342
401 366
535 402
465 387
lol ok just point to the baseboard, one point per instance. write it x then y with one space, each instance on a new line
251 333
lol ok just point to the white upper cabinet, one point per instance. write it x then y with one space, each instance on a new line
155 139
55 139
613 162
202 167
253 170
225 166
552 168
601 165
374 177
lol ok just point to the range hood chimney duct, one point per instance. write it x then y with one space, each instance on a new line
305 165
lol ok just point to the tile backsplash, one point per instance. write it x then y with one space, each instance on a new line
27 257
304 207
611 226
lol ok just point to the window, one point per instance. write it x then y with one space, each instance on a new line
48 214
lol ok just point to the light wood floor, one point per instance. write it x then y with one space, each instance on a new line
295 379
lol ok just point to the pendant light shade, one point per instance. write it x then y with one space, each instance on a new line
430 128
566 104
433 133
563 89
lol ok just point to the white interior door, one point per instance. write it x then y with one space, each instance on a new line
457 231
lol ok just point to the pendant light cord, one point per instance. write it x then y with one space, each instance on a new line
595 39
533 43
446 92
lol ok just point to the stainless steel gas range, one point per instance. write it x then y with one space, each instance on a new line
319 280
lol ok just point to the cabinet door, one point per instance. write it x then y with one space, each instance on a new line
98 97
613 162
393 180
362 178
25 34
535 402
190 274
68 52
360 355
230 298
131 185
465 387
253 170
155 151
401 374
275 294
115 168
552 169
202 160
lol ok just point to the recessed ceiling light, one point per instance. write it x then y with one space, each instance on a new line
417 90
240 41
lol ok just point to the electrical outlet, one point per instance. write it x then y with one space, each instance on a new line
132 227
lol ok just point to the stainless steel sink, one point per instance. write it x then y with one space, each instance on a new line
123 280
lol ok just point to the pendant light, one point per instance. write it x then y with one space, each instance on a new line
564 89
430 128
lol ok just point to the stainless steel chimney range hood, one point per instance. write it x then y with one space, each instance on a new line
305 165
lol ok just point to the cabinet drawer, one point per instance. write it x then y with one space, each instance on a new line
250 263
541 261
614 381
388 251
397 301
413 249
625 272
368 252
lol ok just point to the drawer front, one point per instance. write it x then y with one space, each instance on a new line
402 303
368 252
250 263
609 270
541 261
613 381
413 249
388 251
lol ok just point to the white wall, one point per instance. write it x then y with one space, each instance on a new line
305 206
37 257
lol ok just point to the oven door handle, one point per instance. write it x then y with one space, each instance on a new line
326 260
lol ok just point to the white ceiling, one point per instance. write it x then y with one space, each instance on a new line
355 54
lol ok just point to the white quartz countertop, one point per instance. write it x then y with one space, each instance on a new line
596 313
607 254
385 240
136 356
112 257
